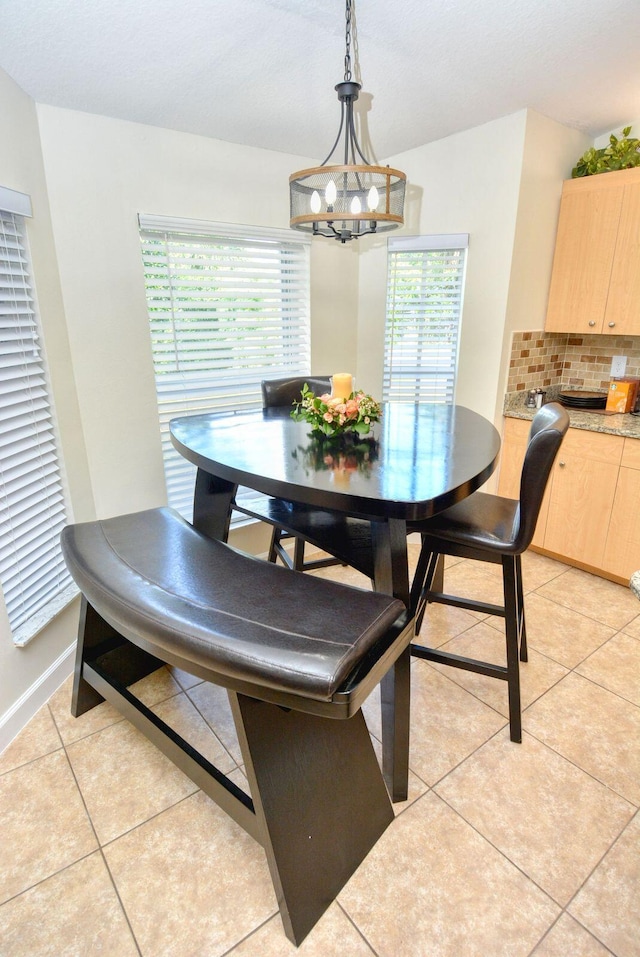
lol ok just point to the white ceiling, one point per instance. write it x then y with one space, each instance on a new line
262 72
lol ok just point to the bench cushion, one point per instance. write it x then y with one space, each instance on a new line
151 574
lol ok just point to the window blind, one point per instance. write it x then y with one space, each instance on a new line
424 304
32 570
228 306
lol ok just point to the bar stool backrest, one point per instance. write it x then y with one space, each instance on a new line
286 391
548 428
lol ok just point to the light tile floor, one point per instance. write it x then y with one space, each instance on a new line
501 849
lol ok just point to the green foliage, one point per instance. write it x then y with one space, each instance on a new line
619 154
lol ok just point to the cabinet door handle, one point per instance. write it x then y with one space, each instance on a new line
562 464
611 325
592 322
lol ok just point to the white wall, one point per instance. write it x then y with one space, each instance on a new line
101 173
466 183
23 669
549 154
603 141
501 183
334 307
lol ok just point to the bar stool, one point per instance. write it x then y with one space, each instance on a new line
282 393
277 393
490 528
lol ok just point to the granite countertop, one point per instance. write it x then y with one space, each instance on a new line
625 425
634 584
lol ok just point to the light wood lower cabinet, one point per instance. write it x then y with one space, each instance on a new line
591 510
622 551
514 445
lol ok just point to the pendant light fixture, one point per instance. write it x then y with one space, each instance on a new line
355 198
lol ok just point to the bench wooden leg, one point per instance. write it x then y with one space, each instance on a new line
92 632
96 638
320 797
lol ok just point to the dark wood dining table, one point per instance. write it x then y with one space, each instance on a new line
418 460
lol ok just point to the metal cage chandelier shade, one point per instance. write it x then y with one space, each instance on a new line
355 198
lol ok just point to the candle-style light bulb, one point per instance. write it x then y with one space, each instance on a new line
356 205
373 199
330 193
316 202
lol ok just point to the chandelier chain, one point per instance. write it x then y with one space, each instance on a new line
347 40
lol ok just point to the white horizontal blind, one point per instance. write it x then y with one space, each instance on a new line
32 502
424 304
228 307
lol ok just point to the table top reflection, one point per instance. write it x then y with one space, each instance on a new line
418 460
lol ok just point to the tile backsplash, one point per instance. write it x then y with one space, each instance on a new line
548 359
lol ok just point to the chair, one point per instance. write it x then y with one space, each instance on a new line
490 528
282 393
277 393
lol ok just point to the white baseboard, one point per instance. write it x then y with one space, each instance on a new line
19 714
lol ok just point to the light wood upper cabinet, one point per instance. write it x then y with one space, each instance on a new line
595 283
622 315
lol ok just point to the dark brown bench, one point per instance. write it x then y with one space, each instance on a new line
294 652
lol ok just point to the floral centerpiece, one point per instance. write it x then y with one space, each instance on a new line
331 415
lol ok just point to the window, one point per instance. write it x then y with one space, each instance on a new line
424 305
228 307
33 576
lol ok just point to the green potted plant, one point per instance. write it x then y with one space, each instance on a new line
619 154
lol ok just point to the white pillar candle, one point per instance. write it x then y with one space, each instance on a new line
341 385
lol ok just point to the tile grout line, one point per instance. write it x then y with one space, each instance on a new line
358 930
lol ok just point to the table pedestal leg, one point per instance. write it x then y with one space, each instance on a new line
212 505
395 696
392 578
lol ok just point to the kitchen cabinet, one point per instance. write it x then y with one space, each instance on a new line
595 282
583 484
514 446
622 550
590 515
